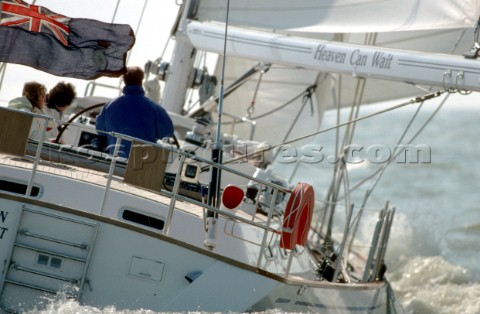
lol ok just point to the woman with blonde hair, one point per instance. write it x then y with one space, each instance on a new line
32 100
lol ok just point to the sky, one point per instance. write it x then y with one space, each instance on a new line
152 35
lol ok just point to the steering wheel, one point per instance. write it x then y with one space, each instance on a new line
65 126
175 141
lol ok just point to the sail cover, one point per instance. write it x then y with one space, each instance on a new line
343 16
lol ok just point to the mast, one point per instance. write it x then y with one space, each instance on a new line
180 71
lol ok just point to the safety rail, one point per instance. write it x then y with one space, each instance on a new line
377 247
174 194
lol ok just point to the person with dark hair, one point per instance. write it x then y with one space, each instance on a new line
61 96
32 100
134 114
59 99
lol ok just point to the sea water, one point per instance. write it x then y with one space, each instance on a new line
433 257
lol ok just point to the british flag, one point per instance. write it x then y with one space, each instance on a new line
33 18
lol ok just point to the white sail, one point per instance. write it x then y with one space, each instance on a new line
344 16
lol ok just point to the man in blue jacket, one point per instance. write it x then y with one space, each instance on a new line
134 114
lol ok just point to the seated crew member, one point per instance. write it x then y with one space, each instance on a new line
134 114
32 100
59 98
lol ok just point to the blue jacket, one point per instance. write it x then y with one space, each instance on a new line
135 115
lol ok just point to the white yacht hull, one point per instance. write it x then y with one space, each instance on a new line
130 240
50 250
102 262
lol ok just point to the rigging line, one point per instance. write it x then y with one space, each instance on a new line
455 45
307 90
359 89
337 179
348 136
251 108
338 105
327 211
381 171
404 134
337 131
222 79
114 11
370 191
411 101
370 40
358 99
333 196
409 142
305 99
356 219
348 206
165 47
138 26
174 28
331 203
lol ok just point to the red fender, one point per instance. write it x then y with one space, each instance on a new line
232 196
298 216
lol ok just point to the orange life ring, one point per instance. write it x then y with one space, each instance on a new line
298 216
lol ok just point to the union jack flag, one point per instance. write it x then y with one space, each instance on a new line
34 18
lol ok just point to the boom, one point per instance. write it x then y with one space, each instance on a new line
448 71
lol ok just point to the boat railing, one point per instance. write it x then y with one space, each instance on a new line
184 155
371 252
92 85
270 223
16 125
264 225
